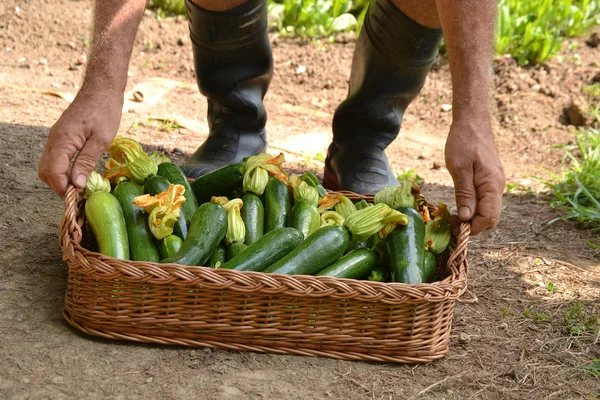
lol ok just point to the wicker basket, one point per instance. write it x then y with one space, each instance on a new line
305 315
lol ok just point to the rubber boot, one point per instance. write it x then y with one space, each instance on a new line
392 58
234 65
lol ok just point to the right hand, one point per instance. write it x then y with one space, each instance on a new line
84 130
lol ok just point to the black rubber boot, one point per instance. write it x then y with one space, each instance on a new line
234 65
392 58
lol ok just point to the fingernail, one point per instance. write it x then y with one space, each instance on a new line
80 181
464 213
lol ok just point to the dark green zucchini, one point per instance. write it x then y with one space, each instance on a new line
235 249
218 257
169 246
406 248
142 243
175 175
357 264
267 250
207 231
304 217
157 184
277 203
319 250
429 267
253 215
220 182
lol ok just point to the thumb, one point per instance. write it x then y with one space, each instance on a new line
86 160
466 196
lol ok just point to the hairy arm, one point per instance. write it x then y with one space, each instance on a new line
471 154
90 123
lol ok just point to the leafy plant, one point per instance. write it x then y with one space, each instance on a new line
536 315
579 322
534 31
165 7
592 368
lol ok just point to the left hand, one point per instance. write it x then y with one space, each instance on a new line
473 162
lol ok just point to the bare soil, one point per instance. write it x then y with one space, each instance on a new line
511 339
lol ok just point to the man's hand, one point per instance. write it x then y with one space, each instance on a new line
83 131
473 162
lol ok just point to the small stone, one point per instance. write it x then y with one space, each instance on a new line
328 84
74 67
56 85
43 61
464 337
25 380
193 353
301 69
436 165
138 96
180 42
81 60
22 219
18 10
593 41
8 48
178 150
71 45
446 107
149 380
21 60
503 325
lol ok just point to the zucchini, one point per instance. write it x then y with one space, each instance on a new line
105 216
429 267
304 217
175 175
220 182
357 264
235 249
169 246
406 248
218 257
157 184
277 204
319 250
142 243
253 215
207 231
267 250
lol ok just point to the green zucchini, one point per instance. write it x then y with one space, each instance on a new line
105 216
319 250
277 203
235 249
357 264
169 246
429 267
207 231
218 257
267 250
220 182
253 215
157 184
175 175
304 217
142 243
406 248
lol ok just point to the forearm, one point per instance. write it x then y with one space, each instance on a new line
468 27
115 26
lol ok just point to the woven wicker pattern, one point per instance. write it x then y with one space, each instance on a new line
305 315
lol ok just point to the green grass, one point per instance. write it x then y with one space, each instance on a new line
576 190
580 322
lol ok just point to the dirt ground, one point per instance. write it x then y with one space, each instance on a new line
513 335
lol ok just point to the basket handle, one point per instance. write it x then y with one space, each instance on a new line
70 231
457 263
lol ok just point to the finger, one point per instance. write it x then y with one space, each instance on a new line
86 160
488 213
455 224
54 170
466 197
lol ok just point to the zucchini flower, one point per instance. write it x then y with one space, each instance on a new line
422 208
437 231
305 192
236 229
129 160
258 169
96 183
339 202
362 205
159 157
331 218
397 196
313 181
379 219
164 209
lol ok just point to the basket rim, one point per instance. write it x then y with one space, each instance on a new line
104 267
